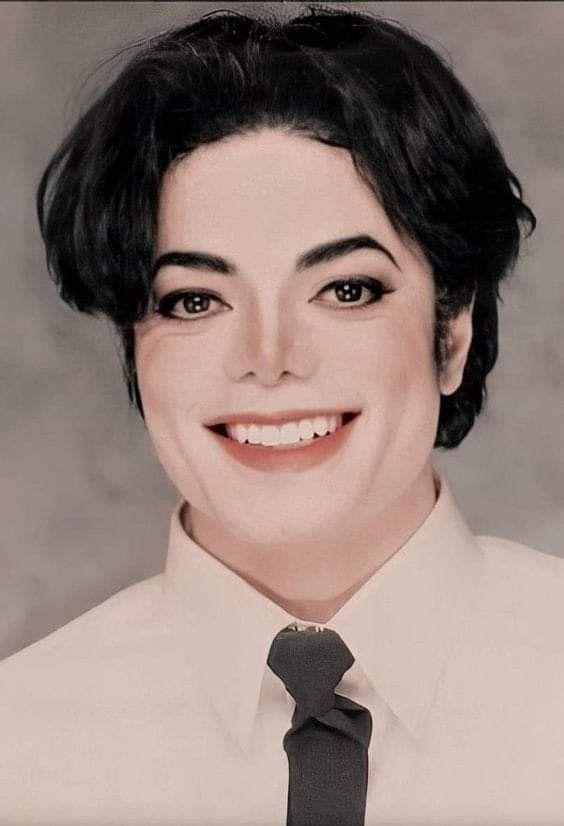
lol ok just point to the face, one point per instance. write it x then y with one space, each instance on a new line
279 334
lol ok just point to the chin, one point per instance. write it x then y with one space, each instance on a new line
280 525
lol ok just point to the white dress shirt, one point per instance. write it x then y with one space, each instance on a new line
157 708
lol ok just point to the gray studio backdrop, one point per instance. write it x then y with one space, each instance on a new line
85 506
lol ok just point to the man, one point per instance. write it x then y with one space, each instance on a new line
299 231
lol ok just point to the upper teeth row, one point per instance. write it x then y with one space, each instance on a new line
286 434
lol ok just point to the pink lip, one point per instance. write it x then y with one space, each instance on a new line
286 458
248 417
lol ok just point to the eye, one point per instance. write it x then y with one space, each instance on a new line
186 305
349 291
193 305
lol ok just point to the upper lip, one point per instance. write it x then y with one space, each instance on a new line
248 417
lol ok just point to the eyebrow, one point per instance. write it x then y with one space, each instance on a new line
318 255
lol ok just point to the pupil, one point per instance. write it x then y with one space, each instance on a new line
346 291
196 302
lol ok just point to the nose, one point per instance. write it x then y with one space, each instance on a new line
270 344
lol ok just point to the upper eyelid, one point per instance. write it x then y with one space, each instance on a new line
182 291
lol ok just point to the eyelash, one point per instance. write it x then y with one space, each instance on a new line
166 304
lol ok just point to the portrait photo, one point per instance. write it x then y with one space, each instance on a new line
283 444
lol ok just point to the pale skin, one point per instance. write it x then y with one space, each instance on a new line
272 339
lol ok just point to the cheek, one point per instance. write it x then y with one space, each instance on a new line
401 389
170 376
169 373
395 360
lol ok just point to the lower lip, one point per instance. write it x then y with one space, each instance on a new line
288 457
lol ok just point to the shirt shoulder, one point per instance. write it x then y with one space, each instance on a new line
96 634
90 711
523 590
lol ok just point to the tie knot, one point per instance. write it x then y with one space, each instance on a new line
311 663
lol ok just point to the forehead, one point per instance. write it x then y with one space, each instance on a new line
270 193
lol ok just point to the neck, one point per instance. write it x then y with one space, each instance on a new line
312 581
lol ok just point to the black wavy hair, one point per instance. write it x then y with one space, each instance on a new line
345 78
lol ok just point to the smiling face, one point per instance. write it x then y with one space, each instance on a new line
278 334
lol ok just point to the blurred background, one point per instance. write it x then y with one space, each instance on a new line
85 505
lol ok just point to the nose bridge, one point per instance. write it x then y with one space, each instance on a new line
269 340
270 335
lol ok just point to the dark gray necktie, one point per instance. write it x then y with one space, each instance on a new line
327 744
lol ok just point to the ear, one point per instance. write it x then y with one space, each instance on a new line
458 343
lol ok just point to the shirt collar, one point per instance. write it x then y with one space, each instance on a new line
226 625
400 625
403 622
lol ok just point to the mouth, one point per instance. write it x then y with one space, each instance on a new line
221 430
294 456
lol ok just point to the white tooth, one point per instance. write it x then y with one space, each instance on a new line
320 425
241 433
306 429
289 433
254 434
270 435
